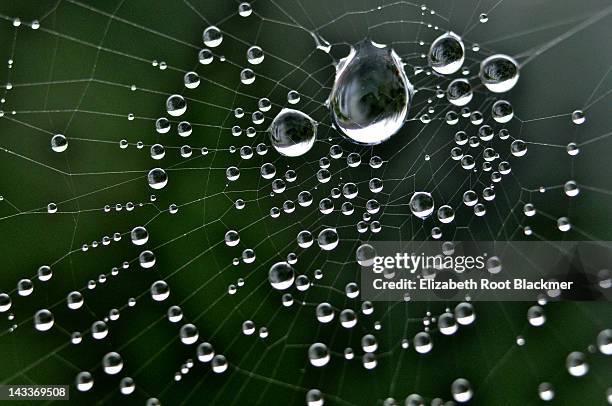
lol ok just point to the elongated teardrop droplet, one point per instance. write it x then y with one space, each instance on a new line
371 94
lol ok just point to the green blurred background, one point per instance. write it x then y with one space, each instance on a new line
74 75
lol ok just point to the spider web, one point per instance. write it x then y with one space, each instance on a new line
100 75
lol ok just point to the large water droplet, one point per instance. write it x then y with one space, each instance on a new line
292 132
112 363
189 334
461 390
546 392
422 343
421 204
502 111
244 9
139 235
157 178
74 300
499 73
365 255
459 92
328 239
255 55
43 320
176 105
160 291
205 352
219 364
212 37
576 364
318 354
371 94
281 276
446 54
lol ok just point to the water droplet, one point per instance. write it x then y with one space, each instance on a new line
247 76
84 381
371 94
502 111
499 73
160 291
74 300
578 117
127 386
304 239
219 364
157 178
293 97
176 105
571 188
447 324
324 313
328 239
205 352
518 148
318 354
175 314
461 390
244 9
43 320
5 302
421 204
25 287
255 55
191 80
139 235
281 276
365 255
536 316
212 37
205 56
314 397
292 133
232 173
189 334
446 54
112 363
157 151
545 391
232 238
576 364
59 143
604 341
563 224
464 313
422 343
44 273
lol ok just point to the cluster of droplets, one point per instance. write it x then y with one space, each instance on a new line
292 133
112 363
